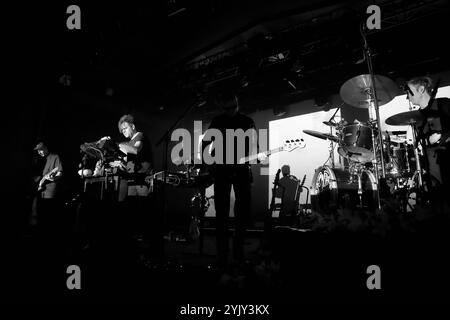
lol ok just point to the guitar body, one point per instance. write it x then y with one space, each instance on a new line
48 177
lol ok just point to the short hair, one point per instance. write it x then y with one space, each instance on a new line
125 118
286 170
422 81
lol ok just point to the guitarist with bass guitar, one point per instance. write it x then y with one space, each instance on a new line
48 182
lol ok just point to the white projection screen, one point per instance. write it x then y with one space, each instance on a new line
306 160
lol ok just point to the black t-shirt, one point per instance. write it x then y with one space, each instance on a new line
439 124
238 121
144 156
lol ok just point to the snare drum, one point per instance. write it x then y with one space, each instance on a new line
356 143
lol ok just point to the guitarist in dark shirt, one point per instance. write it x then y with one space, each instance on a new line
228 174
48 199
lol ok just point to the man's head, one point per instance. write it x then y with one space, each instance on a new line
286 170
228 101
126 126
420 90
41 149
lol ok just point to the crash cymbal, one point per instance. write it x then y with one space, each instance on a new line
410 117
357 91
321 135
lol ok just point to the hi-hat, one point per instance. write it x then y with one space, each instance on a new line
335 124
321 135
411 117
357 91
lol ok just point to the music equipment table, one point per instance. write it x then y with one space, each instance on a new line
104 181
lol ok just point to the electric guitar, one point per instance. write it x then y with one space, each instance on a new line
47 177
275 185
289 145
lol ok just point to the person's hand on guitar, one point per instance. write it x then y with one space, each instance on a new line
434 138
262 157
51 176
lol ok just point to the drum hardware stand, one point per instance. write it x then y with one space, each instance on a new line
416 155
331 133
372 95
360 189
332 149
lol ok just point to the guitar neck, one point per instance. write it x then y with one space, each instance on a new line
255 156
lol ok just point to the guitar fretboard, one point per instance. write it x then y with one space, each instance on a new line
255 156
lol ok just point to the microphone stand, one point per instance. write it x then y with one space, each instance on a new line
372 95
165 138
331 132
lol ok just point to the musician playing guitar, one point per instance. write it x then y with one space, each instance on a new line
229 174
52 172
48 191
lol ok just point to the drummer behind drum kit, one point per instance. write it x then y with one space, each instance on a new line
370 157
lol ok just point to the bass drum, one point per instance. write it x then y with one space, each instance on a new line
336 188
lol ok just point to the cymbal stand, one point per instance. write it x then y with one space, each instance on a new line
360 189
331 133
372 95
416 155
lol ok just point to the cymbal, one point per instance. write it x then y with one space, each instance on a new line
335 124
329 123
321 135
357 91
411 117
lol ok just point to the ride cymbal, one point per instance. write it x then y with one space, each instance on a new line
357 91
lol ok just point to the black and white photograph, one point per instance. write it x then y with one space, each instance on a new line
225 158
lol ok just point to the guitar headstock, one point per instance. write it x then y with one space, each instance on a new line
290 145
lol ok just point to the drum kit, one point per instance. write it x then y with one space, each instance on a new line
370 155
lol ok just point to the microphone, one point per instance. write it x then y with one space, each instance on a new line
407 89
